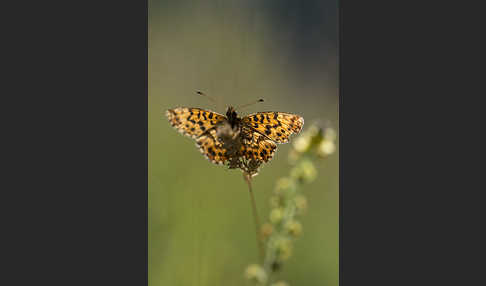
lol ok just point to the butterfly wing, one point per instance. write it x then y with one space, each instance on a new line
193 122
211 148
255 146
277 126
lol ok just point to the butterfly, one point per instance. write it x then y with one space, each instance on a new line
243 143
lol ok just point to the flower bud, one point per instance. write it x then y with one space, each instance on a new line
276 215
294 228
256 273
326 148
304 172
301 144
300 203
266 230
284 249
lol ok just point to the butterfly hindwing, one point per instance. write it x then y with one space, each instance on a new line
256 146
211 148
193 122
277 126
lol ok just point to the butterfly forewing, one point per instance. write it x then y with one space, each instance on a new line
193 122
277 126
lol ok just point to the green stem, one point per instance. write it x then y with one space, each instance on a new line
255 216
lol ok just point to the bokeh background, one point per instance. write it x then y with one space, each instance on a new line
201 228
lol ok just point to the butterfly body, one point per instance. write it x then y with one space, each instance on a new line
232 117
239 142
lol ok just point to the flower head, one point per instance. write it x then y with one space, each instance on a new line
256 273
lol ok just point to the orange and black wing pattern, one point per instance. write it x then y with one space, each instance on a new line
255 146
212 148
276 126
193 122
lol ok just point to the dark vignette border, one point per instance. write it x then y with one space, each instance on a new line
387 75
78 172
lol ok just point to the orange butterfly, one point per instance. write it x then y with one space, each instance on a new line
239 142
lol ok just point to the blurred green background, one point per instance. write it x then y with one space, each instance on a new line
201 228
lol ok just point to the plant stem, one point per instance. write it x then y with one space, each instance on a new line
255 216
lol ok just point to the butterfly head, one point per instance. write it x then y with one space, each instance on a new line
232 116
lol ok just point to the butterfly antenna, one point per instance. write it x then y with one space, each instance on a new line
216 103
207 96
248 104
